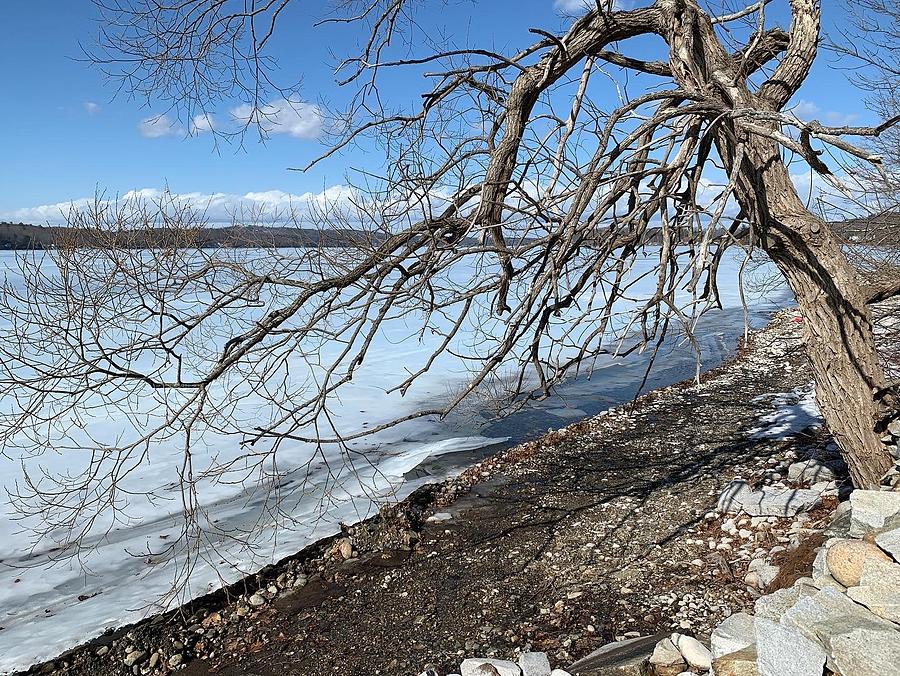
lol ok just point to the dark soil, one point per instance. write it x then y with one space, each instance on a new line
558 545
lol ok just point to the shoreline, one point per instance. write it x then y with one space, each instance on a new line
399 533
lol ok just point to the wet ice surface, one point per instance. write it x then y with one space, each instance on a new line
49 603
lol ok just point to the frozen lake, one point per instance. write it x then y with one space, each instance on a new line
51 601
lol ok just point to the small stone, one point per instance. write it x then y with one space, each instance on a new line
135 657
845 559
739 663
666 659
476 666
872 510
765 573
695 653
534 664
734 633
809 471
175 660
256 600
154 660
345 548
437 517
560 672
102 650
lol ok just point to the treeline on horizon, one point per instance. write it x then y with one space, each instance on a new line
24 236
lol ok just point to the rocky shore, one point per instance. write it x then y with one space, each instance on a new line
650 526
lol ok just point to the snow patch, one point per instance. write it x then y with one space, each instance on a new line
792 412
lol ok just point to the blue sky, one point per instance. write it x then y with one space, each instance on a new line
67 133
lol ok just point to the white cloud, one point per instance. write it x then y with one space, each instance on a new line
91 107
158 126
202 123
571 7
283 116
805 110
218 208
808 110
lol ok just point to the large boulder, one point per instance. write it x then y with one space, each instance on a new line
734 633
889 541
739 663
731 497
477 666
779 501
622 658
865 651
784 651
839 525
879 589
845 559
534 664
821 577
873 511
773 606
828 614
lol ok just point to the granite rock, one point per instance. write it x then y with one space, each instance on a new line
739 663
872 511
534 664
476 666
694 653
889 541
845 559
734 633
783 651
809 471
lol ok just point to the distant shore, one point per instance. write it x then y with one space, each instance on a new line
25 236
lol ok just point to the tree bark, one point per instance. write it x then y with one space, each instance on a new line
840 342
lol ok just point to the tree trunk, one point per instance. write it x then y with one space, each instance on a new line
840 342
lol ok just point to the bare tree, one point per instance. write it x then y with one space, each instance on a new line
869 44
512 169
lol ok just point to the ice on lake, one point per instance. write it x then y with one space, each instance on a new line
50 602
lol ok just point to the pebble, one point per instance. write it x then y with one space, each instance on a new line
135 657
